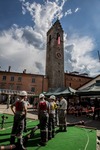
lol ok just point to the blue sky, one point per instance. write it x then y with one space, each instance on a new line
23 28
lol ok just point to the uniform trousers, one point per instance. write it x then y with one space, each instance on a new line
17 129
44 118
51 126
62 119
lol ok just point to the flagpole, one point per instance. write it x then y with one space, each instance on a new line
99 56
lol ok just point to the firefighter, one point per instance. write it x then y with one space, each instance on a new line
43 116
19 108
62 113
51 126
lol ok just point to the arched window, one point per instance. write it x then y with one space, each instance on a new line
58 35
49 38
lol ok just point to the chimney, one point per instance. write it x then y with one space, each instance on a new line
9 68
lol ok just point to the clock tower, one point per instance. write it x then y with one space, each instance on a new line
55 56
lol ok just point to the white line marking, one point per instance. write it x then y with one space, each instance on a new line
87 139
29 121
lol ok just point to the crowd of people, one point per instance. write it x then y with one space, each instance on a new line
51 113
85 108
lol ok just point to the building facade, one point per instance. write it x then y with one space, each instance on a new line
35 84
32 83
76 80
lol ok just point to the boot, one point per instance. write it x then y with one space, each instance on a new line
49 135
42 143
65 128
20 145
60 128
12 140
53 133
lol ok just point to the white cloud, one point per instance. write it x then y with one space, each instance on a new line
68 12
78 55
25 48
77 9
20 54
23 10
43 15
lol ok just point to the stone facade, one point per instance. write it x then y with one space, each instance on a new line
55 56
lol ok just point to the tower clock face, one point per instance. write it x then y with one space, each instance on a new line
58 55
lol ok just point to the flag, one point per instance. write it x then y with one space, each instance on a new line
58 40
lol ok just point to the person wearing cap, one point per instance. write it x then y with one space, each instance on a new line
43 116
62 113
51 126
19 108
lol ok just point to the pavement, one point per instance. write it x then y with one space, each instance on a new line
89 122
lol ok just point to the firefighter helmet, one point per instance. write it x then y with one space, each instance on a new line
52 97
23 93
41 95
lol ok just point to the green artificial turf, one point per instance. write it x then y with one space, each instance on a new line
75 138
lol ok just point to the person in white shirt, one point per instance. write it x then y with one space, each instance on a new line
62 114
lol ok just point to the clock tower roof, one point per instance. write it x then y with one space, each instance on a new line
56 25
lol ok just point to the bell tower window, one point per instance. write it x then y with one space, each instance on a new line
49 38
58 35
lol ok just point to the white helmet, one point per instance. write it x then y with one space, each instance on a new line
41 95
52 97
23 93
